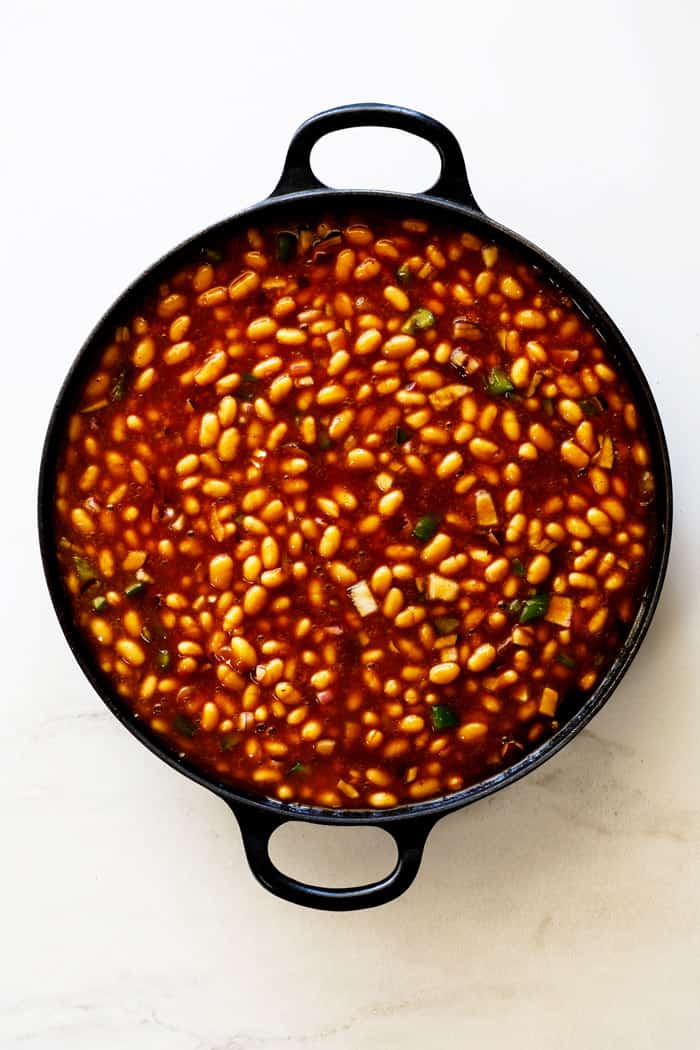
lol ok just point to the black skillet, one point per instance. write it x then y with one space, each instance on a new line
297 194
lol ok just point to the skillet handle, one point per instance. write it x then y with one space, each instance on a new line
257 827
452 183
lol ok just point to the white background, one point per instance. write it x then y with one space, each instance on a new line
562 912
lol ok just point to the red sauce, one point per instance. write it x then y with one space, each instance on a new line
349 516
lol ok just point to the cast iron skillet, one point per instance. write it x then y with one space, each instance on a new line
300 193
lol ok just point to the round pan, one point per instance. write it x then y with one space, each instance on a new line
297 194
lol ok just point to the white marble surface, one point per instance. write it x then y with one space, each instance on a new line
561 913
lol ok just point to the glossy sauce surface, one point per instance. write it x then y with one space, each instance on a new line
349 514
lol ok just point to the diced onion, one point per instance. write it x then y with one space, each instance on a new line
560 610
362 598
485 509
441 589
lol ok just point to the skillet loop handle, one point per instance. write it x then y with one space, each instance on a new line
452 183
257 827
